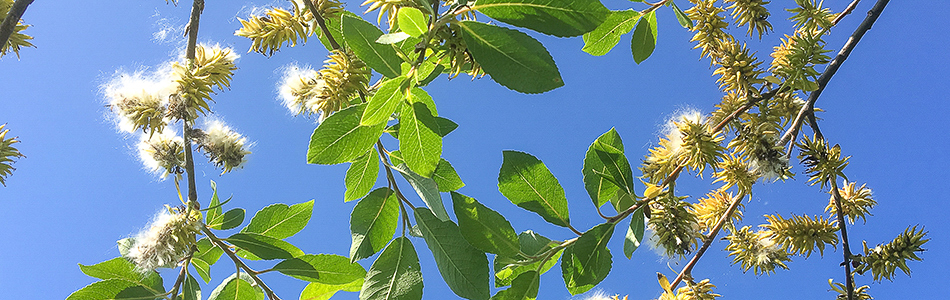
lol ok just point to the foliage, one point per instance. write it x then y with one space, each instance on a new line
739 145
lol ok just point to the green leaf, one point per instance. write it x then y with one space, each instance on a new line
340 138
446 177
190 289
427 189
483 227
336 30
644 37
525 181
113 289
562 18
124 245
412 21
280 221
524 287
395 275
236 288
512 58
587 262
361 176
421 146
445 126
464 268
230 219
384 103
392 38
634 233
610 153
533 244
361 37
121 268
373 223
215 206
599 188
682 17
264 247
207 255
322 268
320 291
607 35
622 201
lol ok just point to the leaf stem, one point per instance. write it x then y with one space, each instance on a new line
239 263
707 241
323 24
181 275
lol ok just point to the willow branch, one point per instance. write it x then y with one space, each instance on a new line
708 241
192 31
239 263
323 24
843 228
13 17
181 275
808 110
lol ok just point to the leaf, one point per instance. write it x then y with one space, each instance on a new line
427 189
320 291
634 233
533 244
562 18
614 161
264 247
607 35
524 287
395 275
464 268
599 188
373 223
322 268
587 262
484 228
340 138
230 219
644 37
392 38
361 37
336 30
214 211
512 58
682 17
207 255
235 288
384 103
120 268
280 221
190 289
525 181
446 177
445 126
412 21
124 245
361 176
113 289
421 146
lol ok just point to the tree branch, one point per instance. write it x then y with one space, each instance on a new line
181 275
192 31
808 110
322 23
13 17
843 228
707 241
239 263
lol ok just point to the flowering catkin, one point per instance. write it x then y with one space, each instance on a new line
165 241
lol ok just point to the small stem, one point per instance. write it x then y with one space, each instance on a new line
239 263
196 9
181 275
13 17
708 241
323 24
849 280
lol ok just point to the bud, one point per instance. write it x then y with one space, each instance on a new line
676 229
855 202
801 235
165 241
7 154
756 251
327 91
162 153
225 148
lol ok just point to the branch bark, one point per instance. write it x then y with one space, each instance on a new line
13 17
707 241
192 31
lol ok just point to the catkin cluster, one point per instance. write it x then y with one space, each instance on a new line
17 39
7 154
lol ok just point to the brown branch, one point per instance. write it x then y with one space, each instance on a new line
707 241
239 263
181 275
192 31
808 110
323 24
13 17
843 228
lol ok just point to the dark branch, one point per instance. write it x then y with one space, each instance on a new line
707 241
13 17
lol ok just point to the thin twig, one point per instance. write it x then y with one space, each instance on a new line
849 280
192 31
239 263
13 17
708 241
181 275
323 24
809 107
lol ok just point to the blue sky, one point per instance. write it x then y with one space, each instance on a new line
81 187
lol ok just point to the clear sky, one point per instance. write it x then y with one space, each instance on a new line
81 186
